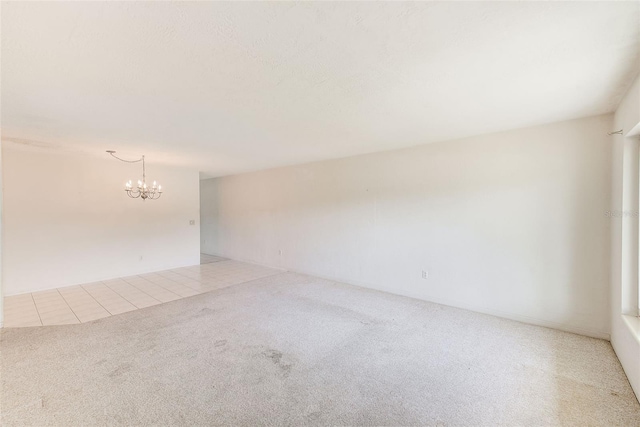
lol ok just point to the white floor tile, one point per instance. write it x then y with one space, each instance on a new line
92 301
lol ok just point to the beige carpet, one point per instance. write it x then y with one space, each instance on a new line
296 350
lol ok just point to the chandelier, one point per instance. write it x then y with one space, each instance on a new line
142 190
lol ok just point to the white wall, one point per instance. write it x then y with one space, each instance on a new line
1 242
624 237
67 220
511 223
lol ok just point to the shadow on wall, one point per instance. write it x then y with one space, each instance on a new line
209 201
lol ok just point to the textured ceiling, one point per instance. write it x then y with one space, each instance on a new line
231 87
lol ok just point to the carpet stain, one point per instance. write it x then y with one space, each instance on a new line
313 416
204 312
122 369
276 358
274 355
220 343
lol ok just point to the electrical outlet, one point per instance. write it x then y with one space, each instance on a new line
425 274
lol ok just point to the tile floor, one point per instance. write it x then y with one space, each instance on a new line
91 301
206 258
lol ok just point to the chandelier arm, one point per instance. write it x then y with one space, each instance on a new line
134 194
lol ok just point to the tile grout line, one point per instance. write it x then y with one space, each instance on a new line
161 287
189 287
199 264
107 310
36 307
185 276
94 298
117 294
159 273
180 274
177 283
125 298
131 302
65 301
168 278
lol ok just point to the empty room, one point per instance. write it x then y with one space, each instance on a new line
320 213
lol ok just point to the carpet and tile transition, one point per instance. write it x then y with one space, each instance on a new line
296 350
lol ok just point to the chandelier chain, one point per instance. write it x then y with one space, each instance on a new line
113 154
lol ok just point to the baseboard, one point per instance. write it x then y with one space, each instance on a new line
477 309
450 303
250 261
